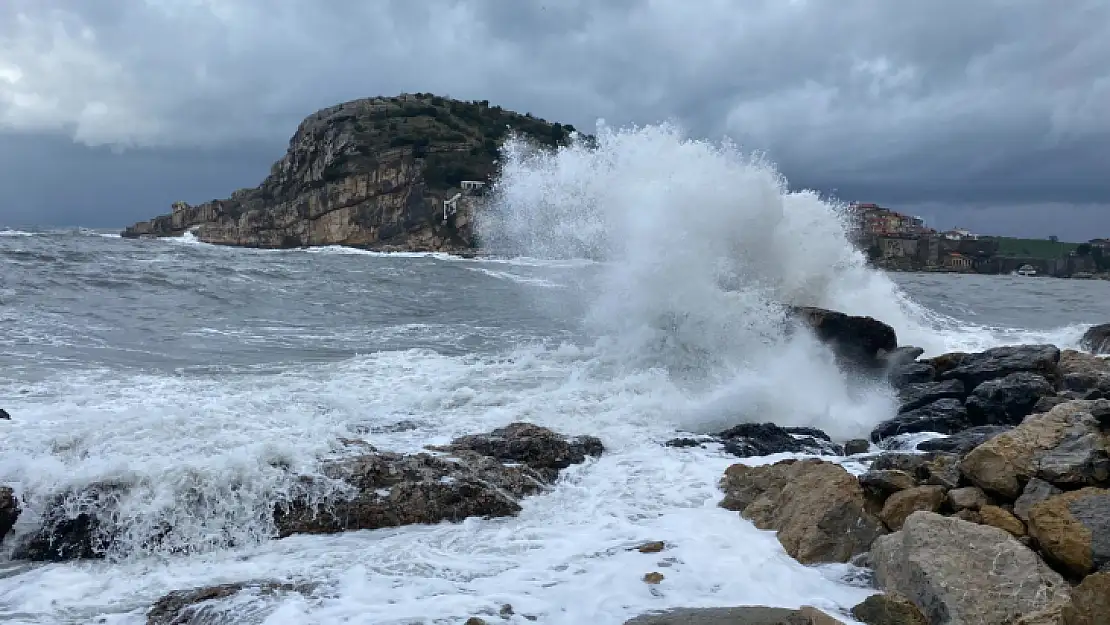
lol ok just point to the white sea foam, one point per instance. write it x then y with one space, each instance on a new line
15 233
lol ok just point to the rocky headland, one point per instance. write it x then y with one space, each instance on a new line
372 173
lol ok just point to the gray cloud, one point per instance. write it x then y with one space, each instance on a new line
996 103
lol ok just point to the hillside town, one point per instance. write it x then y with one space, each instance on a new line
900 242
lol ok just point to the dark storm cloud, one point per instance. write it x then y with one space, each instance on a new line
971 105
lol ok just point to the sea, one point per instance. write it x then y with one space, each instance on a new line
637 291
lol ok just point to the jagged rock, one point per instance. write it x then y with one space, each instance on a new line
901 504
1077 362
4 415
914 396
817 507
199 606
1003 520
881 484
1006 462
961 443
9 511
541 449
763 439
971 516
1081 459
959 572
999 362
654 546
946 362
888 610
944 416
967 498
71 527
686 441
1034 493
856 446
747 615
915 372
1045 404
1090 601
942 469
1097 339
1007 400
914 464
1073 529
857 341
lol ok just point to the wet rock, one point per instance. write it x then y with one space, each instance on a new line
654 577
1035 492
9 511
914 396
474 620
817 507
1097 339
654 546
946 362
857 341
914 464
1007 400
1006 462
903 503
880 484
903 375
71 527
1003 520
1073 529
959 572
687 442
200 606
999 362
747 615
944 416
963 442
763 439
856 446
4 415
541 449
1090 601
1045 404
967 498
888 610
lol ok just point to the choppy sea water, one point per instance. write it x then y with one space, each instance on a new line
193 372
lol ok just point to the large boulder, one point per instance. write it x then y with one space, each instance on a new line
1007 400
817 507
1035 492
746 615
1073 529
959 572
543 450
999 362
899 506
961 443
9 511
1097 339
1063 445
888 610
916 372
857 341
1090 601
944 416
914 396
211 604
763 439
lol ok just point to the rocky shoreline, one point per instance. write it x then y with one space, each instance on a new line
1004 518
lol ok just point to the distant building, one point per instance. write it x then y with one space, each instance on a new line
879 221
1103 243
958 261
471 185
959 234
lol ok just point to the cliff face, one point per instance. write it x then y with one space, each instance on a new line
371 173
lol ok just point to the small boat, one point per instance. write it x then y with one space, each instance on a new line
1026 270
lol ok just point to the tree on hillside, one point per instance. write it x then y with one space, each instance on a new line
1084 249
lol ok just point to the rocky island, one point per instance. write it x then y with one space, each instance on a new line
386 173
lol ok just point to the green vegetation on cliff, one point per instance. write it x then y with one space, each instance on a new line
1033 248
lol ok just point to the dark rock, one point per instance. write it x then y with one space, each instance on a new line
9 511
999 362
967 498
857 341
944 416
4 415
1007 400
914 464
1080 459
812 432
857 446
541 449
1047 403
888 610
195 606
688 442
71 526
947 362
963 442
763 439
911 373
881 484
914 396
747 615
1097 339
1035 492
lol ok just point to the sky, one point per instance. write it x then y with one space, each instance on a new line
992 115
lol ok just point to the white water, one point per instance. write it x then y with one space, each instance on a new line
697 246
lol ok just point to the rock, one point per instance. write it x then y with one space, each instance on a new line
1080 459
71 527
763 439
971 516
195 607
881 484
1003 464
689 442
959 572
999 362
942 470
888 610
1007 400
4 415
817 507
857 341
914 396
1034 493
967 498
653 578
1077 362
911 373
747 615
998 517
539 448
1097 339
474 620
963 442
1090 601
857 446
903 503
9 511
654 546
1073 529
944 416
914 464
1045 404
